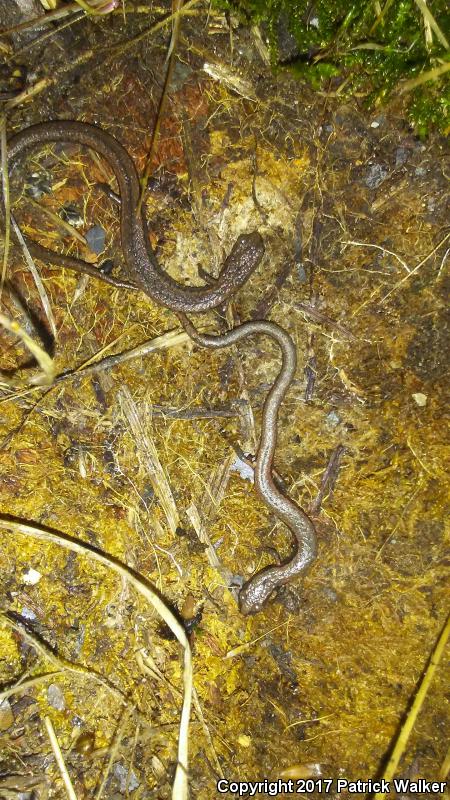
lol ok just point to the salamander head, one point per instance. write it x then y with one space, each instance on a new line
256 592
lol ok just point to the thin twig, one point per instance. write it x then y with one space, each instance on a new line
104 55
47 35
162 102
328 478
192 413
319 316
125 45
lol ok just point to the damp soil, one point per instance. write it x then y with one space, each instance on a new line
353 209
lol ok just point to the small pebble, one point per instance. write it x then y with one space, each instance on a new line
332 419
301 273
330 594
107 266
95 238
55 697
401 156
376 175
31 577
121 772
244 470
420 399
244 740
27 613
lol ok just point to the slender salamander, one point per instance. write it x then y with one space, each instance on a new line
139 257
257 590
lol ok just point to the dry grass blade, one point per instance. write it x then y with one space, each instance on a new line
200 529
23 685
430 21
46 377
10 219
236 651
76 17
37 279
70 791
29 93
122 48
417 267
445 767
69 66
180 785
429 75
419 699
149 457
231 79
113 751
59 222
378 247
169 339
380 15
59 13
6 199
61 663
43 19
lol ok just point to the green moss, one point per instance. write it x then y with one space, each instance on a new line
337 42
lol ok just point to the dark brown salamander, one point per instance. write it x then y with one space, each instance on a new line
256 591
139 257
140 260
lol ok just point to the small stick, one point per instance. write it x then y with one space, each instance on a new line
263 213
163 99
310 374
329 478
318 316
192 413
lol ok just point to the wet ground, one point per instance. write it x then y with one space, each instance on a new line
144 459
